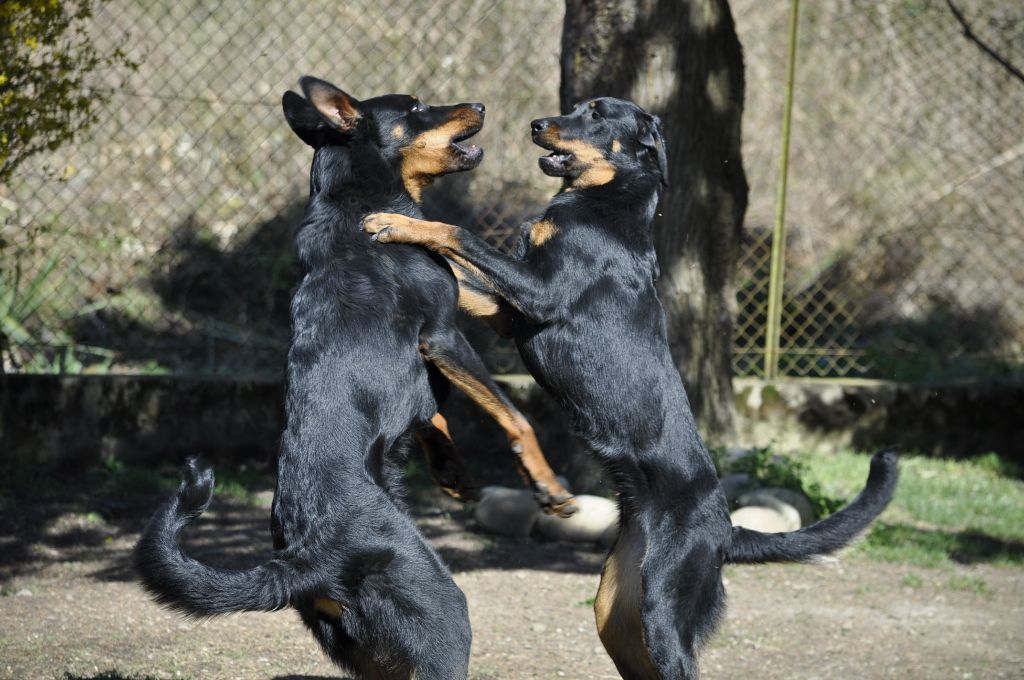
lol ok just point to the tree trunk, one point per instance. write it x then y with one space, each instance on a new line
681 60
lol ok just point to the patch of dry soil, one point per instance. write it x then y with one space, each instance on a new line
69 605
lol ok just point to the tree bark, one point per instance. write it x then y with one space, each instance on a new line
681 60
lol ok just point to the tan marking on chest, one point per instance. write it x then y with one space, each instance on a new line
617 608
327 606
541 232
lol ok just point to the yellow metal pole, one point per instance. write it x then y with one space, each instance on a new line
778 263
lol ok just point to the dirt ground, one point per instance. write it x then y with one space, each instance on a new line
69 606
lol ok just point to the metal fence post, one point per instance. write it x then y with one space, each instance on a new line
778 261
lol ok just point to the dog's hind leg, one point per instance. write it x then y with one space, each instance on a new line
452 354
444 462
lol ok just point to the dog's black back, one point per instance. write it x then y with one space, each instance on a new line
357 317
600 344
347 555
582 306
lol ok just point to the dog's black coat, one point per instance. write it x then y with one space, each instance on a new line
347 555
586 317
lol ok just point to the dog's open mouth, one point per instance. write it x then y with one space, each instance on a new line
559 162
556 163
468 155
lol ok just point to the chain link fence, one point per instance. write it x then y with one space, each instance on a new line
161 240
905 218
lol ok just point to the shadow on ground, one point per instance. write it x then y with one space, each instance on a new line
115 675
89 521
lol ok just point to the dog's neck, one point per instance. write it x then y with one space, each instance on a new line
345 185
624 211
356 178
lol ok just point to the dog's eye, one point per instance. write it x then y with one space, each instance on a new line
595 115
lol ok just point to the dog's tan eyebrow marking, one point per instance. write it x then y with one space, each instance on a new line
398 132
616 146
593 104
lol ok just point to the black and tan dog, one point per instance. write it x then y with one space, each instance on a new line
584 313
374 344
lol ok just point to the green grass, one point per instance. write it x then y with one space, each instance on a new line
769 469
944 511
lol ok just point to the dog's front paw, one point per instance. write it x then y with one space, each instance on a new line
556 501
379 226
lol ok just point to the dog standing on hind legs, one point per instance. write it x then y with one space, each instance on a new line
583 310
374 347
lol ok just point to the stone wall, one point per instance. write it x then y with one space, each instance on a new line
72 419
958 420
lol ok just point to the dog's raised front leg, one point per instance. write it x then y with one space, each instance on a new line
511 279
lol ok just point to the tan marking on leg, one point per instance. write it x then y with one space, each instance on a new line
533 465
437 236
326 605
541 232
444 460
472 301
617 607
396 228
478 304
441 423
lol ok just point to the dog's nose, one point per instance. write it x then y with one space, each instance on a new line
538 125
480 108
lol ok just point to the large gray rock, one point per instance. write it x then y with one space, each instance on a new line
783 500
509 512
761 518
595 521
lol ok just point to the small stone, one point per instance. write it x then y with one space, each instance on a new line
762 499
24 592
509 512
538 628
795 499
760 518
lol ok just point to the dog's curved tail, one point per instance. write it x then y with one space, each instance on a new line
184 584
828 535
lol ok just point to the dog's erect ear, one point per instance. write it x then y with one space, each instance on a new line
304 120
337 108
650 137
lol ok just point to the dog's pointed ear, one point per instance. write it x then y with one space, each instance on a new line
304 120
339 109
650 138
